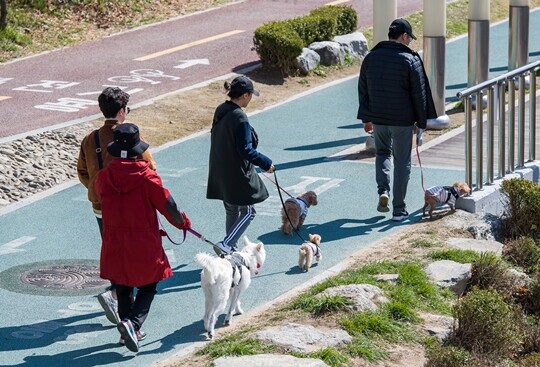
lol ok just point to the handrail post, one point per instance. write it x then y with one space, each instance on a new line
502 128
511 123
490 134
521 121
532 115
479 141
468 141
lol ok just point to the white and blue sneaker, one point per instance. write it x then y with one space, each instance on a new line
382 206
127 332
221 249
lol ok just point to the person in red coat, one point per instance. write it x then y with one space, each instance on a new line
131 254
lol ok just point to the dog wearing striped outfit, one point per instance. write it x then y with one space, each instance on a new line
444 195
295 210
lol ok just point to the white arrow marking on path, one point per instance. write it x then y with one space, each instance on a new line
11 247
187 63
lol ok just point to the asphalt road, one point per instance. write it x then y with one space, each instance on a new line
61 87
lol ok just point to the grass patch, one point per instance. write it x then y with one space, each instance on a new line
362 347
460 256
235 345
321 305
376 325
328 355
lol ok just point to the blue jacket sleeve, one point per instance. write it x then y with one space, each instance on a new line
244 147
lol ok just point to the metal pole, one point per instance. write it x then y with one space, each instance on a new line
479 143
478 52
511 123
502 125
521 121
518 36
490 133
384 12
532 116
468 140
434 58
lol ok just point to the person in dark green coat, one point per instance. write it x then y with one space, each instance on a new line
232 177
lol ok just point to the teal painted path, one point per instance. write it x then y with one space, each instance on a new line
46 328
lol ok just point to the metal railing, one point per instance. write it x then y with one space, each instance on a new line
495 105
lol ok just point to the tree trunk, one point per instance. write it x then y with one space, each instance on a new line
3 14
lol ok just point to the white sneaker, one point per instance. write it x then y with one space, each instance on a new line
110 306
383 203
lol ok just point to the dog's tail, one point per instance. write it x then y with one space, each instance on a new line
205 261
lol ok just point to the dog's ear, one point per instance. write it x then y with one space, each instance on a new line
463 188
312 197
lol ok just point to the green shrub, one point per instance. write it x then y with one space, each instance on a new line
490 271
278 45
486 324
530 329
530 300
344 18
524 252
521 200
532 360
447 356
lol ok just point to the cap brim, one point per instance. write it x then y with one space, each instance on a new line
412 36
256 92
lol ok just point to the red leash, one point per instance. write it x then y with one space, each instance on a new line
421 170
190 230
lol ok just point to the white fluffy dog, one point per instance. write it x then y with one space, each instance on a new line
226 277
308 250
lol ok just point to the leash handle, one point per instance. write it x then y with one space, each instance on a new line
287 214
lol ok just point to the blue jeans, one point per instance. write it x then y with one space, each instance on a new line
237 219
393 142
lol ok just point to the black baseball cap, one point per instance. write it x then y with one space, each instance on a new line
400 26
242 84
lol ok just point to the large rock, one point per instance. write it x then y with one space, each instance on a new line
330 52
365 297
308 60
438 326
480 225
476 245
450 274
304 338
268 360
353 43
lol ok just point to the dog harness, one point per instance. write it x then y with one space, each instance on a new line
237 261
443 194
302 203
315 248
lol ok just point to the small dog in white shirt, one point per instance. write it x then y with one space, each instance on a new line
444 195
308 250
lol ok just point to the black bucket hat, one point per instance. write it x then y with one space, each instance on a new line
127 142
242 84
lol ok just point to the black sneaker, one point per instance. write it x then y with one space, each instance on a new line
383 203
400 216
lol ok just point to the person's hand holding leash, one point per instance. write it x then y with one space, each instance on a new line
271 169
419 133
187 223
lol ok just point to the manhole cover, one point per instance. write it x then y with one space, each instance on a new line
75 276
67 277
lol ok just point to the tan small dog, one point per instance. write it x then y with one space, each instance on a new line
308 250
444 195
296 210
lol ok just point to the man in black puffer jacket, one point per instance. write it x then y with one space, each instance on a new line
394 94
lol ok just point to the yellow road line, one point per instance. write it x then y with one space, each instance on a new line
337 2
188 45
4 97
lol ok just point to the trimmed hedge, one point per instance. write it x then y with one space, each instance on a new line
279 43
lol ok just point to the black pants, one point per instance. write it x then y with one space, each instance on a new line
135 310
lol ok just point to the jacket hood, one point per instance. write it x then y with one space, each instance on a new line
224 109
125 175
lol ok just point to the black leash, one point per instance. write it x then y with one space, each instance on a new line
283 206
